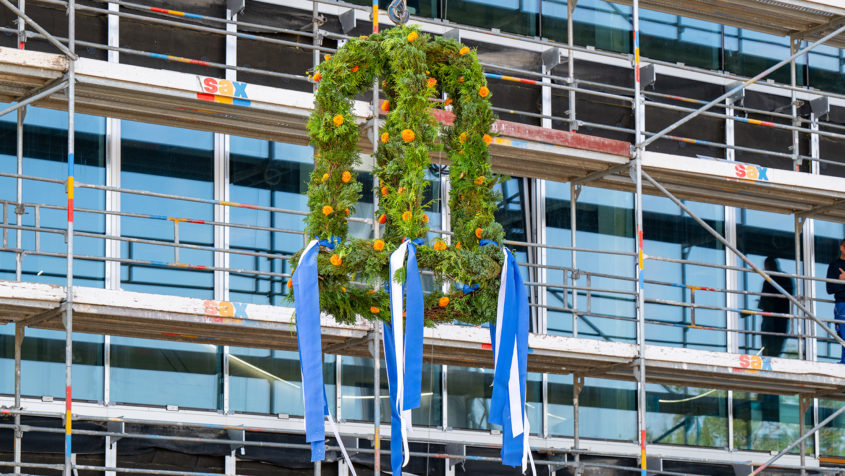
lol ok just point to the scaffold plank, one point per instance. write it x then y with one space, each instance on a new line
131 314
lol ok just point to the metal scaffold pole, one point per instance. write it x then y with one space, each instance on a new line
71 12
377 324
638 220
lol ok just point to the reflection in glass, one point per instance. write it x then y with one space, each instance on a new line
687 416
765 422
269 381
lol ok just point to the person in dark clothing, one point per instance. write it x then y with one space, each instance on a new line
775 326
836 270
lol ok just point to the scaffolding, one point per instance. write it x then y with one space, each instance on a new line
67 81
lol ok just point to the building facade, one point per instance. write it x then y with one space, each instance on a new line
189 199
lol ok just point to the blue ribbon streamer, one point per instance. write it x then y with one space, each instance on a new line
411 375
514 331
306 290
330 243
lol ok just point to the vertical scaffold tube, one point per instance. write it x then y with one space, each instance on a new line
638 211
376 324
71 12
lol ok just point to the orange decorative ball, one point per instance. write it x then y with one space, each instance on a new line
478 232
385 137
384 191
346 210
382 219
431 82
378 245
447 101
355 68
407 216
346 176
464 50
408 135
479 180
325 178
327 57
317 77
374 310
327 210
483 92
425 218
336 260
487 139
402 190
412 36
439 245
385 106
444 301
338 120
462 138
458 245
290 283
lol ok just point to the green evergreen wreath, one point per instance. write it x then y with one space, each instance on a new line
413 69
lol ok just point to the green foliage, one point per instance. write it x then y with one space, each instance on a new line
414 69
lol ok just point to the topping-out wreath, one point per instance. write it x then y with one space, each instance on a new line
413 69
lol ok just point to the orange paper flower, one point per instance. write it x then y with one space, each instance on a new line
464 50
327 57
385 106
431 82
407 216
402 190
346 176
444 301
462 138
325 178
327 210
425 218
479 180
337 120
290 283
385 137
355 68
384 191
439 245
346 210
412 36
336 260
478 232
460 79
382 219
447 101
374 310
458 245
487 139
317 77
408 135
483 92
378 245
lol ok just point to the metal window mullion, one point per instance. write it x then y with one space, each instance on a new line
731 277
809 244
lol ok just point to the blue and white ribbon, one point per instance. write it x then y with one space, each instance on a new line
403 349
307 293
510 350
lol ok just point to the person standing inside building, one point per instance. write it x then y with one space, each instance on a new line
774 327
836 270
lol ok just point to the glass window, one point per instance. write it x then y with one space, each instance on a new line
827 238
45 155
673 303
687 416
832 435
269 381
765 422
513 16
604 220
762 235
166 160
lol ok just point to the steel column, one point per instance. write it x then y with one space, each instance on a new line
570 56
19 209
